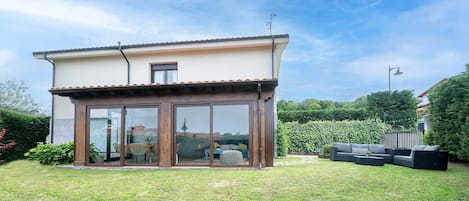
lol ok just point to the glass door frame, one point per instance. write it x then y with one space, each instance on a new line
122 132
158 133
210 105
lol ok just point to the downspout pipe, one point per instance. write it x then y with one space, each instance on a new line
51 129
273 53
126 60
259 90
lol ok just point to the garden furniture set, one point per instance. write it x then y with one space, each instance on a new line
419 157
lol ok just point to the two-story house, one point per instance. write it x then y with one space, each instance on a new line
423 121
188 103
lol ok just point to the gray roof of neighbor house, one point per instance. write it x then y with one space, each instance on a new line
161 44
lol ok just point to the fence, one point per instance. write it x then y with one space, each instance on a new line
402 139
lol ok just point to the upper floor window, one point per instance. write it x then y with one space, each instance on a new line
164 73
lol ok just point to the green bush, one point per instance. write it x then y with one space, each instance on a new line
428 137
312 136
326 149
51 153
26 130
449 109
282 141
303 116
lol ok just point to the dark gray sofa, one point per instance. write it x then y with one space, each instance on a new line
422 157
345 151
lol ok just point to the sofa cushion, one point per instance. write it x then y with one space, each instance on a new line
377 148
403 158
359 150
432 148
343 147
362 146
417 148
346 154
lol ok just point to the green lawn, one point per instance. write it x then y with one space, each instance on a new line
321 180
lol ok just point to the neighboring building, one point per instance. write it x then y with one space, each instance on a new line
194 103
422 109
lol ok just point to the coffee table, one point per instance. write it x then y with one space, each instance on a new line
369 160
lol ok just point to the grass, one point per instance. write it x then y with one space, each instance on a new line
321 180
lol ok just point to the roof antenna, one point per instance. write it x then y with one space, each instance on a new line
269 23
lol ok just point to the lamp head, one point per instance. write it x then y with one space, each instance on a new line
398 72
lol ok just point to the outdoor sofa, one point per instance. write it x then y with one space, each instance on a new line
419 157
346 152
422 157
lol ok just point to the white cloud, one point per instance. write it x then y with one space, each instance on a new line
6 56
52 11
308 48
428 43
356 6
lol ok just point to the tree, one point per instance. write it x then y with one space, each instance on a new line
449 115
360 102
286 105
13 96
397 108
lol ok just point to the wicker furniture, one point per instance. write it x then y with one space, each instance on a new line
346 152
422 157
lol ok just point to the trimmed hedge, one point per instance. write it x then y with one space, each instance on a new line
25 130
449 109
312 136
303 116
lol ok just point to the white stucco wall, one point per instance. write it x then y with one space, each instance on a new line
250 62
90 71
206 65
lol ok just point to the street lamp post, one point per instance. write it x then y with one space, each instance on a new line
398 72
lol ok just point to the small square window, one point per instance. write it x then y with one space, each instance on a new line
164 73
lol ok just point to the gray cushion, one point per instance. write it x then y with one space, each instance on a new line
432 148
359 150
343 147
362 146
346 154
401 157
417 148
377 148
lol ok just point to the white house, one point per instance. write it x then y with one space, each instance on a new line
196 103
422 108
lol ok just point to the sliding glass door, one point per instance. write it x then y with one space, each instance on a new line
192 135
136 145
104 134
217 134
231 134
141 136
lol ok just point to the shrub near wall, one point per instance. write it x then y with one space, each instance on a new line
304 116
25 130
312 136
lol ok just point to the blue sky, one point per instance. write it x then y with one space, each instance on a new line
339 50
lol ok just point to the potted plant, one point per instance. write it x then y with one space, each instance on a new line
94 154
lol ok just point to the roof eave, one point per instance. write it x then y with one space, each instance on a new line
164 47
